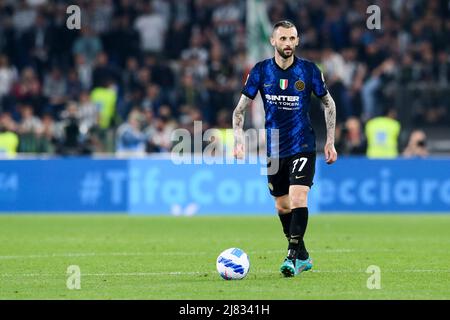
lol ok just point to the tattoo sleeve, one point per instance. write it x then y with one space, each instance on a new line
238 119
330 116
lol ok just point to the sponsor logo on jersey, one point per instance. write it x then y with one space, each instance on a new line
283 83
273 97
299 85
284 102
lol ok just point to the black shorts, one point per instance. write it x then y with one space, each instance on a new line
297 169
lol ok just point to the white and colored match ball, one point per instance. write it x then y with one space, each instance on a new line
233 264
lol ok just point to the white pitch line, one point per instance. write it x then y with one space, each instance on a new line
181 273
182 253
93 254
118 274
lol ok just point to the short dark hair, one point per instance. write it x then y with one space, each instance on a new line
283 23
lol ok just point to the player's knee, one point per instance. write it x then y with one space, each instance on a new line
282 208
299 200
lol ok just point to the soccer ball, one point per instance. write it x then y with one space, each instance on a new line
233 264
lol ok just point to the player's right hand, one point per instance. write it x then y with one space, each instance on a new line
239 151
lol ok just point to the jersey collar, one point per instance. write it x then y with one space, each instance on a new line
278 67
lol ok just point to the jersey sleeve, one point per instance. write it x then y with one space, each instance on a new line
318 82
252 83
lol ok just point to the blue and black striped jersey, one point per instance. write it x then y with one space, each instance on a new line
286 95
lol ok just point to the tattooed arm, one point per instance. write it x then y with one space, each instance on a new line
330 120
238 125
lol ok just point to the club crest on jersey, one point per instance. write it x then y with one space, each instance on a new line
299 85
283 83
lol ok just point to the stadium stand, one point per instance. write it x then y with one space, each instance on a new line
163 64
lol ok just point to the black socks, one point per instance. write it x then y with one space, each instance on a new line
285 219
299 222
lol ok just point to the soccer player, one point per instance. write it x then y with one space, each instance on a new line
286 83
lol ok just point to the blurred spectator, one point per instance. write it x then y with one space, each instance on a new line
149 130
72 141
164 125
87 44
130 74
55 90
190 93
34 44
29 129
29 89
371 87
84 71
74 85
8 76
87 113
353 79
334 73
191 120
130 138
179 30
382 135
151 26
23 17
9 141
104 73
126 8
221 83
194 58
226 17
353 141
442 68
105 98
161 74
226 132
49 133
152 99
122 32
101 15
417 145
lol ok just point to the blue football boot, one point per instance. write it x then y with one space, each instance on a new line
303 265
288 268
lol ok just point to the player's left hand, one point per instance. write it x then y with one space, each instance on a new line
330 153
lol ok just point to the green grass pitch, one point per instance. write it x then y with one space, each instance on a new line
133 257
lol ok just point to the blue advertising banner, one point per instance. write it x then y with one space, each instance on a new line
162 187
158 186
401 185
59 185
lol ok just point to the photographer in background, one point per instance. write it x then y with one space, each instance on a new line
72 141
417 145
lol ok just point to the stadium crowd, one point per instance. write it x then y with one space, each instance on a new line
136 70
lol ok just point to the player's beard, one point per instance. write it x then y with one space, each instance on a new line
285 55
